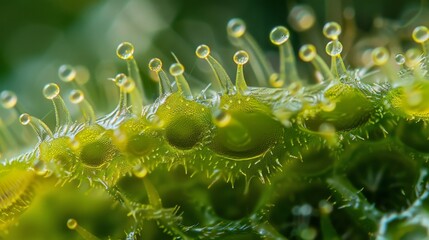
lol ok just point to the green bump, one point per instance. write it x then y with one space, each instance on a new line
140 144
185 122
250 133
352 109
97 153
95 146
184 132
137 137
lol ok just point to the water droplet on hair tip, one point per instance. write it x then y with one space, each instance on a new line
155 64
334 48
400 59
67 73
236 27
380 56
76 96
241 57
332 30
125 50
25 119
51 90
8 99
279 35
202 51
420 34
176 69
72 224
307 52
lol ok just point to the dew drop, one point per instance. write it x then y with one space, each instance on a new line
380 56
332 30
76 96
420 34
67 73
301 17
120 79
241 57
176 69
400 59
139 171
125 50
25 119
334 48
279 35
51 90
155 64
8 99
72 224
307 52
202 51
236 27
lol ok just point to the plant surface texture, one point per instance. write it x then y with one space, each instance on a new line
158 125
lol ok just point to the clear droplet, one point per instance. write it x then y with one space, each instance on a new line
25 119
400 59
8 99
301 17
125 50
380 56
307 52
332 30
202 51
334 48
51 90
67 73
155 64
76 96
120 79
279 35
221 118
420 34
241 57
40 168
72 224
236 27
139 171
176 69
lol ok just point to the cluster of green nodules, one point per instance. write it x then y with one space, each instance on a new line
345 148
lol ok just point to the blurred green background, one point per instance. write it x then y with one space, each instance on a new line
39 36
